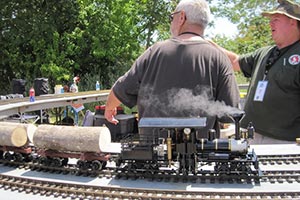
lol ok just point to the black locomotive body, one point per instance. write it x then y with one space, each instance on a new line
174 148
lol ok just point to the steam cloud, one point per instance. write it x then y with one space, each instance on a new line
188 102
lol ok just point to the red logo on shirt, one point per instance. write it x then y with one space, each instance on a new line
294 60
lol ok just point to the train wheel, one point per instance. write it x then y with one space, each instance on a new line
222 168
82 165
150 170
7 156
233 166
43 161
18 157
56 162
132 167
65 161
243 168
27 157
96 165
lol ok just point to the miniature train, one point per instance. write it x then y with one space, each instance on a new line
173 147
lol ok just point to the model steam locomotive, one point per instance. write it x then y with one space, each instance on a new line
172 147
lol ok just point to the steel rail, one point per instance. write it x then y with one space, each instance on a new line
58 189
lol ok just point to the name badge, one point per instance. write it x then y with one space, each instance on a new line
260 91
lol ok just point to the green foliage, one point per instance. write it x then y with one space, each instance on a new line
61 39
100 39
31 33
253 29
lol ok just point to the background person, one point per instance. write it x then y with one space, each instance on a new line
273 101
76 108
74 85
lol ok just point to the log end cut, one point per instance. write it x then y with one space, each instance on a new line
31 128
19 137
104 140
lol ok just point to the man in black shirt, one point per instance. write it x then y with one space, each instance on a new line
184 76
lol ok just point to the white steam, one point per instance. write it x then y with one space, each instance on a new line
186 102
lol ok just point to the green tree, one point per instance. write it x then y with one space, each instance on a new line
100 39
253 31
60 39
30 37
253 28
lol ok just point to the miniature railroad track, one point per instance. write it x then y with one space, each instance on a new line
279 159
272 176
76 191
267 175
281 176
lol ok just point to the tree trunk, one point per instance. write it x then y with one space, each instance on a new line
30 128
72 138
13 134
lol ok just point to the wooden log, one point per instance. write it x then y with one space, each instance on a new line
30 128
14 135
72 138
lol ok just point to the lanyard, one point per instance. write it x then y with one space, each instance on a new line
275 55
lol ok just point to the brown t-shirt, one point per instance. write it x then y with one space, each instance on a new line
177 78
